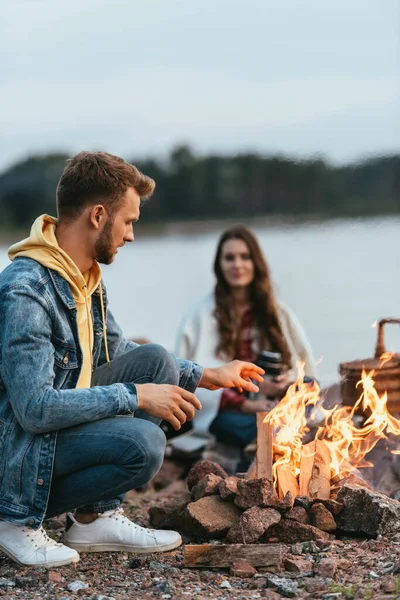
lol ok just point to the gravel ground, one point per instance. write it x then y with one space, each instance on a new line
347 568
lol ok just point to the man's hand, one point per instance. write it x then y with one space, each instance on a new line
236 374
168 402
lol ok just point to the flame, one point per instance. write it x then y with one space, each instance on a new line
289 422
348 444
385 357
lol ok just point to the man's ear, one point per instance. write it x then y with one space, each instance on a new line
97 215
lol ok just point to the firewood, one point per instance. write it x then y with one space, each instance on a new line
315 471
320 483
306 467
264 447
222 555
287 482
252 471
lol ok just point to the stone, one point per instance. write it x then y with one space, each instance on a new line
315 585
207 486
210 517
26 582
305 548
300 566
285 504
270 595
388 586
228 488
332 596
322 518
6 583
77 585
55 576
290 532
355 478
225 585
252 524
135 563
203 468
286 587
327 567
167 513
165 587
242 568
303 501
256 492
367 512
298 513
333 506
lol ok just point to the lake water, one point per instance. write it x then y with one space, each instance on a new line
338 277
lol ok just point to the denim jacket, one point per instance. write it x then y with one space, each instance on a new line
40 362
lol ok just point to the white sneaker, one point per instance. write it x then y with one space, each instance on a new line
113 532
33 547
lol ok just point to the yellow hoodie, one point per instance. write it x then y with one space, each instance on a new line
43 247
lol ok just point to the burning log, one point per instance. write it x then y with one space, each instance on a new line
287 482
315 471
264 447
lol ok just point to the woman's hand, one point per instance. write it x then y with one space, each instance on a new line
235 374
275 387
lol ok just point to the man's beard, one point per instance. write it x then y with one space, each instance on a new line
104 246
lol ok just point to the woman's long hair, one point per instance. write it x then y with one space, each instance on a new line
262 298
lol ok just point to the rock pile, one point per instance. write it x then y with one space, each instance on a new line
238 510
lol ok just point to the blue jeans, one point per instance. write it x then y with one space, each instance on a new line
96 463
234 428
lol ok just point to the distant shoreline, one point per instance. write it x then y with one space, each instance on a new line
180 228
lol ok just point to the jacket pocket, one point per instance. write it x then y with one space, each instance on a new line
65 363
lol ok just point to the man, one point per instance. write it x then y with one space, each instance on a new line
67 372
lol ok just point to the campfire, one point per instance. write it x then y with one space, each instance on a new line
339 447
296 490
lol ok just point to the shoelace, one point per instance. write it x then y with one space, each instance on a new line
118 514
39 537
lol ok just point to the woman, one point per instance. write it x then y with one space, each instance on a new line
241 318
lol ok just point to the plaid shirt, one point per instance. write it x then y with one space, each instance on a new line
231 400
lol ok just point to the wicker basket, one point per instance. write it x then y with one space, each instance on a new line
387 373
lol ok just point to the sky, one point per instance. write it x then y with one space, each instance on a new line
294 77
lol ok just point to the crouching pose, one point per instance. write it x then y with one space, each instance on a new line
80 406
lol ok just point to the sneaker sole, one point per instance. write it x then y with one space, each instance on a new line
46 565
122 547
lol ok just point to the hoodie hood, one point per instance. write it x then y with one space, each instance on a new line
43 247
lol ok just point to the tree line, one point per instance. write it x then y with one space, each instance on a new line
191 187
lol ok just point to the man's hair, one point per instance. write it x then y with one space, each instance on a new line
98 178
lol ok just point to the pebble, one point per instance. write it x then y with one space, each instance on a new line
77 585
286 587
305 548
373 575
332 596
225 585
166 587
25 582
6 583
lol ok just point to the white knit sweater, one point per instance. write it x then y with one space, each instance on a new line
197 340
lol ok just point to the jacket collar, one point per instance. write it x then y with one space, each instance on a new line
62 288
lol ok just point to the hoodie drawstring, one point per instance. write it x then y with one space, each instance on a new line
103 318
